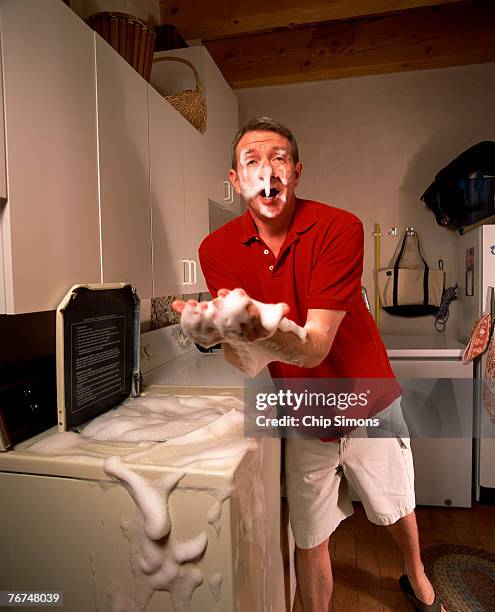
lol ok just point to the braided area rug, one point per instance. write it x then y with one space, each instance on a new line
464 577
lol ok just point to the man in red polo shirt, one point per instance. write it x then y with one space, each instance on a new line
309 256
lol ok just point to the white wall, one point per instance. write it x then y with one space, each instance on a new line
372 145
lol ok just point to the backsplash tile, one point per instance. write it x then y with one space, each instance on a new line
161 311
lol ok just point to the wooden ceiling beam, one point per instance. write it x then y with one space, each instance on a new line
211 19
430 38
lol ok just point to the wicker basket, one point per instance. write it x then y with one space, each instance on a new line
190 103
133 38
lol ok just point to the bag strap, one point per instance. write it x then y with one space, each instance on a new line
426 274
199 85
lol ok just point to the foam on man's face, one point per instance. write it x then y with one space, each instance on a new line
266 172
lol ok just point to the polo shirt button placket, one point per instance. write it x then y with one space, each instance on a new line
267 252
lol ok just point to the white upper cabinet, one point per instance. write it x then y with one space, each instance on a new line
222 115
195 203
178 198
50 221
222 126
124 167
101 180
167 197
3 168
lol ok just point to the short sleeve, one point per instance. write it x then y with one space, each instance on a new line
336 277
216 272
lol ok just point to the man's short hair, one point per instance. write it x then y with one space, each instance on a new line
265 124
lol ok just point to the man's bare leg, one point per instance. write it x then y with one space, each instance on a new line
405 534
314 579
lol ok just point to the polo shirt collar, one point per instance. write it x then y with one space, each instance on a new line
304 218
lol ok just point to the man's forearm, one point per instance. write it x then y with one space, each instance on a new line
287 347
282 346
248 357
246 326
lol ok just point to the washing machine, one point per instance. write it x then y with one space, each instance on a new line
179 523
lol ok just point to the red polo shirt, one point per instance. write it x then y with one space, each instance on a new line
319 266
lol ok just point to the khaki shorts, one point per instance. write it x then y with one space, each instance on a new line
317 474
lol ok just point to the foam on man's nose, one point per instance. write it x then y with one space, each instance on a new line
266 175
282 175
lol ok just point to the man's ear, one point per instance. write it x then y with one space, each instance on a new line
297 173
234 180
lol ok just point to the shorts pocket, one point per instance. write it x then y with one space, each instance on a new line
407 458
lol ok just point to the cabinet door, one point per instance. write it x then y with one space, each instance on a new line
442 465
222 114
167 195
222 126
124 171
3 165
196 202
50 224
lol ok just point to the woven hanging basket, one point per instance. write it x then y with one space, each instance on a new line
190 103
133 38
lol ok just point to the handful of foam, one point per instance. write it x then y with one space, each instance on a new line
223 319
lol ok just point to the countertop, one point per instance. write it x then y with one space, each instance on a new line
210 369
422 346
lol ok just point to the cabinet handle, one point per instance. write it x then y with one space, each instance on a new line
190 273
194 272
228 192
191 282
186 272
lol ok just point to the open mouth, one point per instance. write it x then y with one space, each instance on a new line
273 193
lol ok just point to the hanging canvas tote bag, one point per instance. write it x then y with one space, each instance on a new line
410 290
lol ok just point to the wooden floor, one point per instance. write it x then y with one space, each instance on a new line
367 563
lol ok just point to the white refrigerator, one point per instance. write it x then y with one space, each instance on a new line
476 272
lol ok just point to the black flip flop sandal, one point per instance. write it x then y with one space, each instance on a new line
408 591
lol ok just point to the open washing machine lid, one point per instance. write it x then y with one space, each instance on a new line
97 346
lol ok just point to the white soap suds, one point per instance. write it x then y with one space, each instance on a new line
153 418
66 441
266 175
150 498
117 601
255 176
92 563
215 512
204 456
236 559
204 435
182 420
215 583
220 427
158 561
283 175
250 497
252 357
226 317
79 448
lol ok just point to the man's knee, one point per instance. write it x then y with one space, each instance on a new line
317 551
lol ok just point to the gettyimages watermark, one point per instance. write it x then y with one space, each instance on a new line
334 408
299 402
